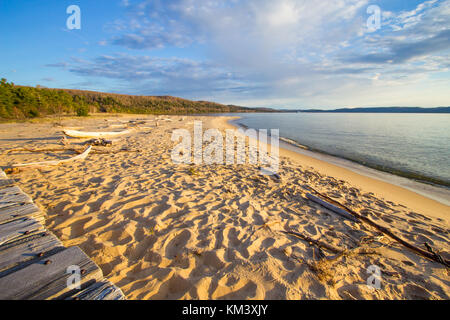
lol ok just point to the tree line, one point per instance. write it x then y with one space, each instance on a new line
20 102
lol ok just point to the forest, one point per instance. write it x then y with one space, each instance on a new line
20 102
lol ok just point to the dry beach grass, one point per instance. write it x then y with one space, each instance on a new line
165 231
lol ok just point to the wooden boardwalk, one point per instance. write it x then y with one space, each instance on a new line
33 262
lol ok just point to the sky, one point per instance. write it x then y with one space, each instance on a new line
290 54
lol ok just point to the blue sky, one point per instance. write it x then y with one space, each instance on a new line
259 53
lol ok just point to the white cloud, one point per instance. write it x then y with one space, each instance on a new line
125 3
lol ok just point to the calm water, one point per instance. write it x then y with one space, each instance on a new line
411 145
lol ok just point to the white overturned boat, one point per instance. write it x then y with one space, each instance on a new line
81 156
81 134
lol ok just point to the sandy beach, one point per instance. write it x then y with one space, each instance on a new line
160 230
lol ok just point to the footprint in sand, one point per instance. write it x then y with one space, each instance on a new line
311 229
247 292
414 292
232 236
177 244
211 259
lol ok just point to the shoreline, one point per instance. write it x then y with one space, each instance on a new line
440 189
424 198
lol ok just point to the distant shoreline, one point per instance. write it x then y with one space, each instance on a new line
417 110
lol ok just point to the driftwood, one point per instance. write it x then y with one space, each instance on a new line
268 172
37 150
427 254
80 134
76 150
329 206
316 242
321 267
81 156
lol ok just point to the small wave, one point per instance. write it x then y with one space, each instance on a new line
294 143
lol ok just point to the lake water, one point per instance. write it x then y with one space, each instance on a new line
416 146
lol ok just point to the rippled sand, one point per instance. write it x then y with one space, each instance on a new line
165 231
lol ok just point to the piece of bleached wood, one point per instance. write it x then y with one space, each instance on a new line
331 207
80 134
48 278
19 254
103 290
16 229
28 210
54 162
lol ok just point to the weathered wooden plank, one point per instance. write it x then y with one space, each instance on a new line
16 229
47 279
19 254
6 182
103 290
26 238
33 262
12 199
15 198
29 210
10 190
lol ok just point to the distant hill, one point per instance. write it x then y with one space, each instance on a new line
383 110
19 102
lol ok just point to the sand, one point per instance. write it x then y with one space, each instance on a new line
165 231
